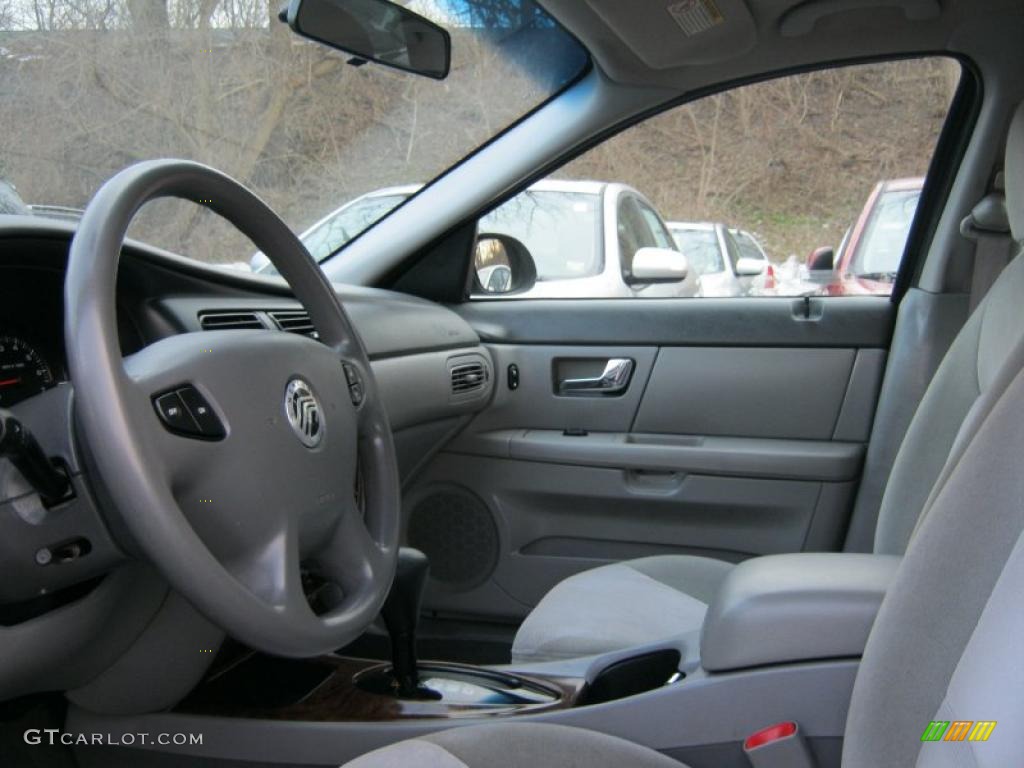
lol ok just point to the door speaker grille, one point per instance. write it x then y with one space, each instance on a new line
457 532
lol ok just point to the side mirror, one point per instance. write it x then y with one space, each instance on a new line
375 30
748 267
658 265
502 265
821 260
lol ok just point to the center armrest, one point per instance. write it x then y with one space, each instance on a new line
799 607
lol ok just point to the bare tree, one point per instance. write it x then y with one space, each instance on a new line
94 85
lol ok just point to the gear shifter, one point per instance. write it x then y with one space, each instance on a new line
452 686
401 614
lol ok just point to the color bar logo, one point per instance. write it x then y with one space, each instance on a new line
958 730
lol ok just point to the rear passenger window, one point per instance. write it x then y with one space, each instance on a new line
806 185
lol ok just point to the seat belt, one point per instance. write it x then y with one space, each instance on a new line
989 227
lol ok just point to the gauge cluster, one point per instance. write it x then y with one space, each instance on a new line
24 370
31 333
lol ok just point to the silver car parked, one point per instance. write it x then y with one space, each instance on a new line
726 267
586 239
583 239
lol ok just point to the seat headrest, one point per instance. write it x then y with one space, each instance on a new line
1015 174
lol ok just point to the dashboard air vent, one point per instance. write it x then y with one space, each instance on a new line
294 321
229 321
468 377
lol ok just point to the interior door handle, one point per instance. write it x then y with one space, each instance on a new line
613 381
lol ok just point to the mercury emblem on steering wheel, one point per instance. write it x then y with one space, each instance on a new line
304 413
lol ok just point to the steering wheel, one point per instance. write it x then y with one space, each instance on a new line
232 512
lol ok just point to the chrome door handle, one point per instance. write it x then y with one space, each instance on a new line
613 381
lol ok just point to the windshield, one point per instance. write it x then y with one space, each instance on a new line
561 230
885 236
93 86
700 247
341 226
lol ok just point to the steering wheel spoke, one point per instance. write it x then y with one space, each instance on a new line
271 570
352 557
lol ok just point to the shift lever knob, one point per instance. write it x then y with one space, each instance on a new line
401 614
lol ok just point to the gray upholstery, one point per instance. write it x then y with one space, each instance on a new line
971 376
987 681
932 608
946 644
1014 175
981 349
618 606
966 379
516 745
779 608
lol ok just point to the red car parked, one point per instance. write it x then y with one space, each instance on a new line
870 254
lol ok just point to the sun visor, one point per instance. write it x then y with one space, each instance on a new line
665 34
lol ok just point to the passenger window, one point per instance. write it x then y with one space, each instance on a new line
634 233
662 239
806 185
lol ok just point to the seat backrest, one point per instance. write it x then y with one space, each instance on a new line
946 643
990 342
924 646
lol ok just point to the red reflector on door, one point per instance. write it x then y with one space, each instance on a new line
769 734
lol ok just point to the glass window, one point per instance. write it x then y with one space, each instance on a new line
329 235
662 238
559 227
775 171
634 232
880 249
701 249
90 87
748 247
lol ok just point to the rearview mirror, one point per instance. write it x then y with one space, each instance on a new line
658 265
748 267
821 260
375 30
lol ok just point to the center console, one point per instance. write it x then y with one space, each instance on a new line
790 608
342 689
781 642
337 688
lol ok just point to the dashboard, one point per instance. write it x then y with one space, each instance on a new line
160 294
418 350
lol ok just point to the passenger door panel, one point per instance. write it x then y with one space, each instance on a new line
741 439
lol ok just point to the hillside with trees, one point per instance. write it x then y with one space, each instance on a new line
92 86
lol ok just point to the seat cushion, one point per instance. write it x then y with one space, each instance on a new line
619 606
514 745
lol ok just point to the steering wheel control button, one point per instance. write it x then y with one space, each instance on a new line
185 412
201 412
175 415
355 384
304 413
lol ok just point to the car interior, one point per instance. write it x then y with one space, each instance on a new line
365 513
